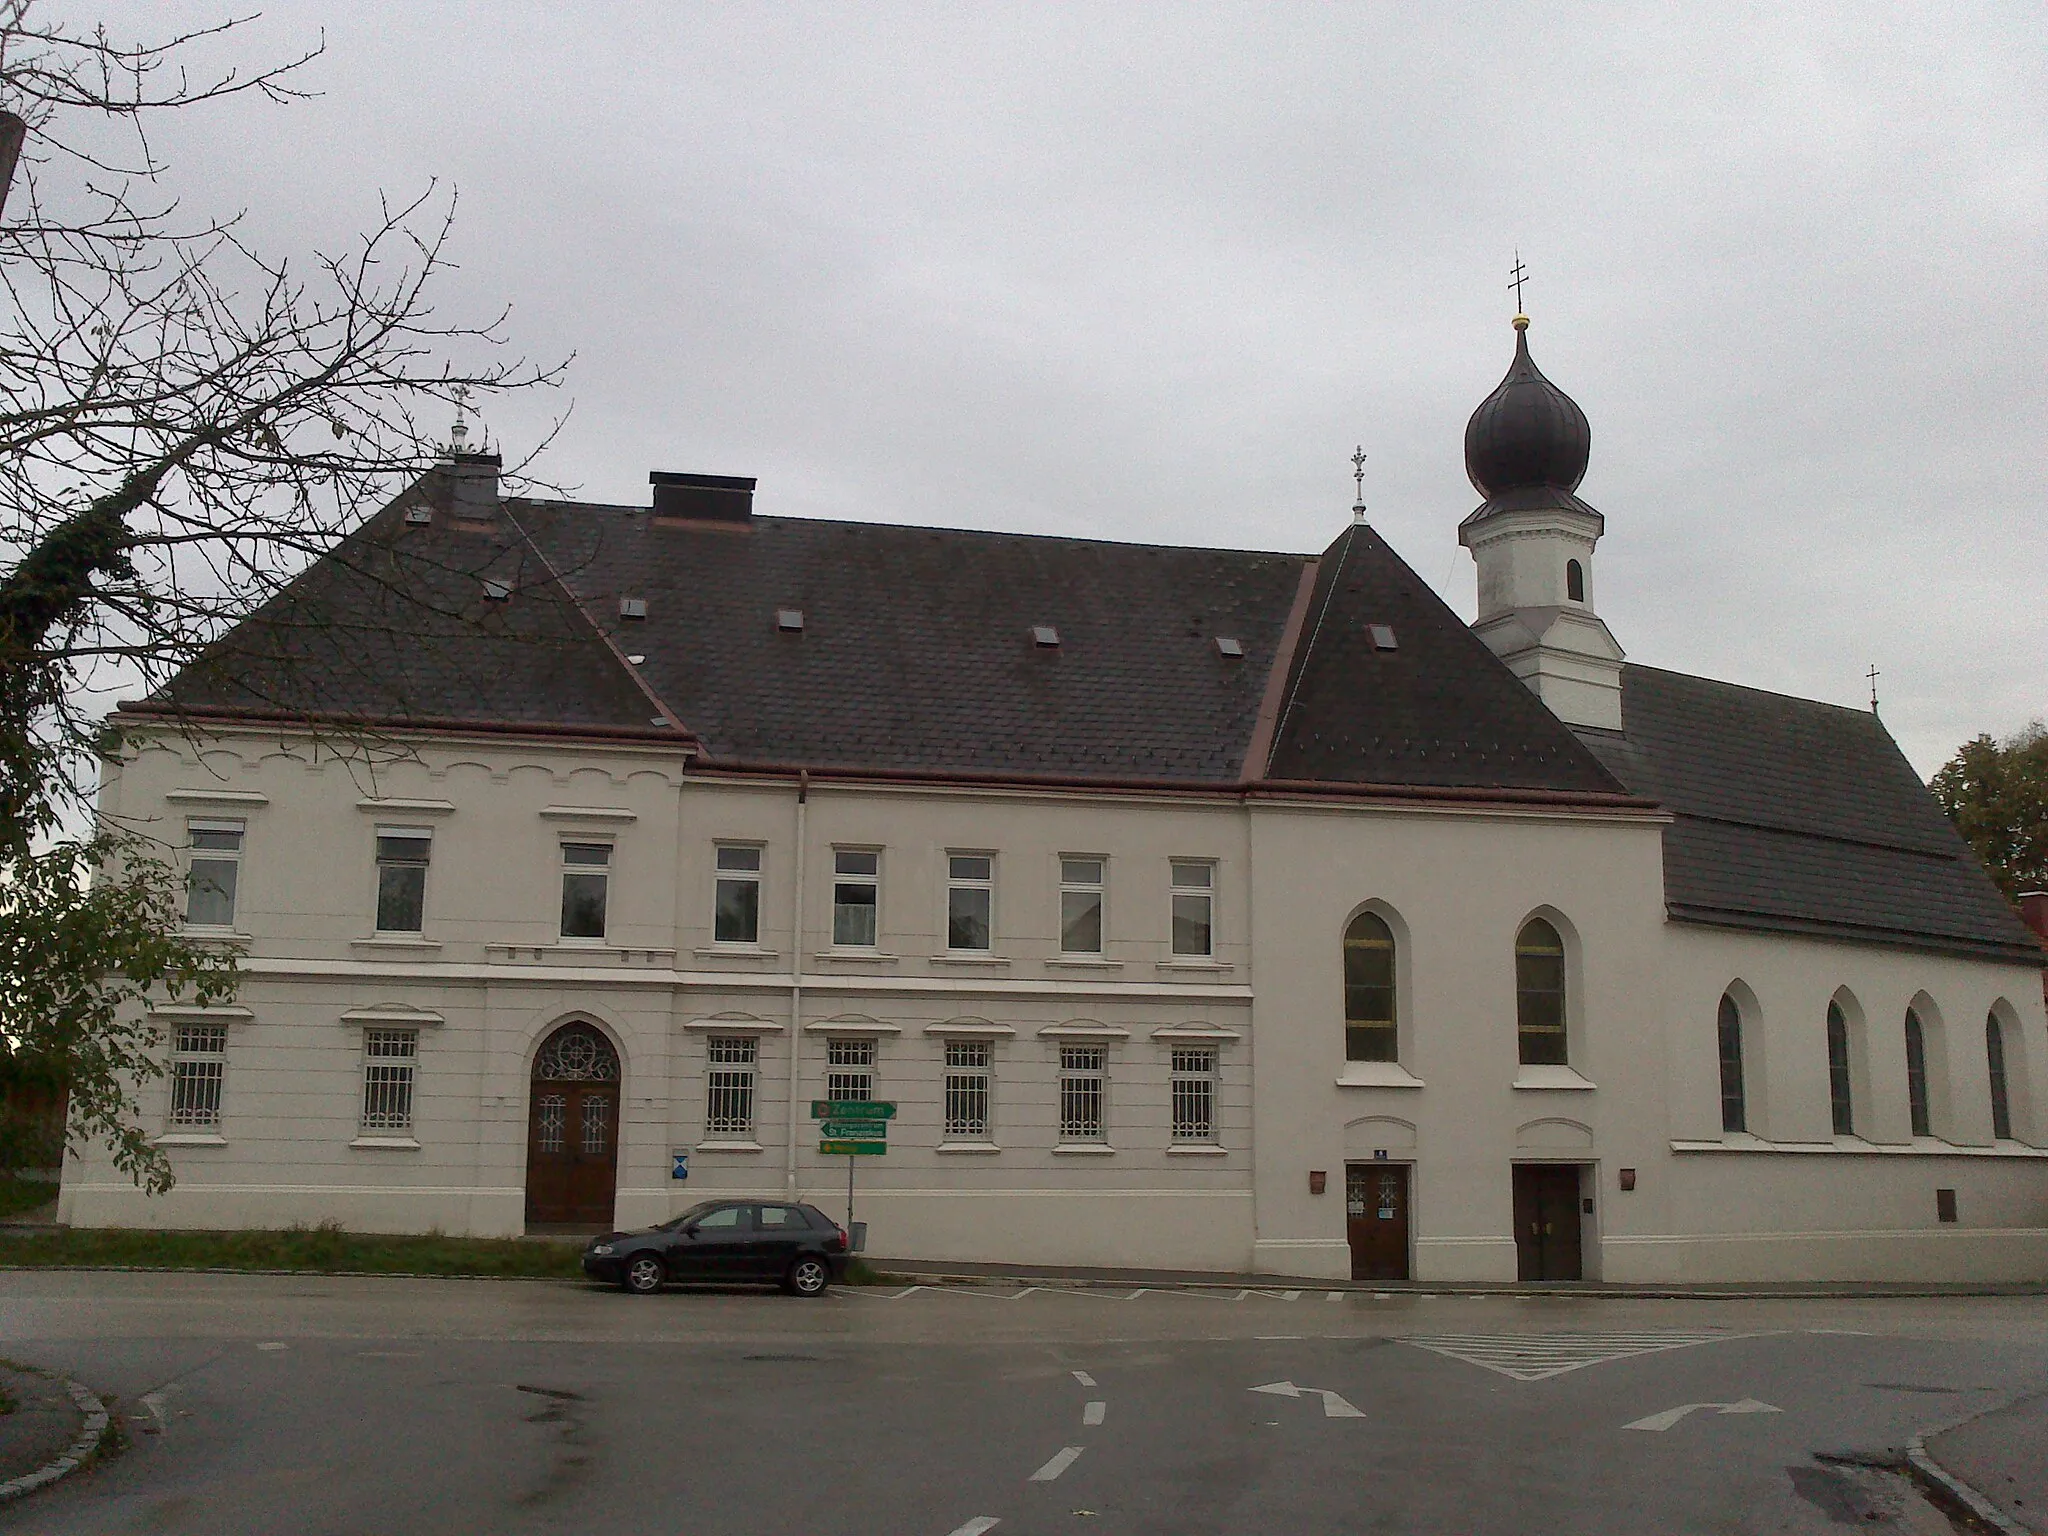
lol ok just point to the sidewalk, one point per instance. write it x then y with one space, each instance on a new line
2004 1456
941 1271
42 1424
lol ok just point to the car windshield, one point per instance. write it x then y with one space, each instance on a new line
690 1215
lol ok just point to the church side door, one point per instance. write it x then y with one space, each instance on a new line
1376 1220
572 1131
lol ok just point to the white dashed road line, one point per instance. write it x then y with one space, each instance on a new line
1092 1414
1057 1465
1083 1377
976 1526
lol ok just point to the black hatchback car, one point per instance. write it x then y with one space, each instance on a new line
726 1242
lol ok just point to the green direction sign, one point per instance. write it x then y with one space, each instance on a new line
853 1148
852 1109
855 1130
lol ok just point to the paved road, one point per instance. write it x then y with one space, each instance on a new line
270 1404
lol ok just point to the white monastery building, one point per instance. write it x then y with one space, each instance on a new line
1198 908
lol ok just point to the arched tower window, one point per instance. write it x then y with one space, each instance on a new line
1370 1031
1539 994
1574 581
1916 1075
1841 1101
2001 1094
1734 1108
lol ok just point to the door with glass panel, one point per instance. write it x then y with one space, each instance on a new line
572 1134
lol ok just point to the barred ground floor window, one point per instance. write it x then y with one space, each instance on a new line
390 1057
850 1069
1194 1094
1082 1091
198 1069
967 1090
729 1085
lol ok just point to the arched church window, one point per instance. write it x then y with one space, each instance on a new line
1539 994
1574 581
1734 1108
1916 1075
1840 1099
2001 1094
1370 1032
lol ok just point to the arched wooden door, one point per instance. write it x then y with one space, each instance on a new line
572 1130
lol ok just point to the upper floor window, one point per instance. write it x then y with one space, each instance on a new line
856 897
736 903
402 855
850 1069
1194 908
199 1063
1574 581
2001 1093
1539 994
1916 1075
1841 1097
1081 906
214 871
1734 1105
1369 1029
970 900
586 882
390 1057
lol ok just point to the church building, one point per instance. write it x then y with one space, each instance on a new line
1210 909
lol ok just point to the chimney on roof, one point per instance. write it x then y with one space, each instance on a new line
703 498
2034 908
473 484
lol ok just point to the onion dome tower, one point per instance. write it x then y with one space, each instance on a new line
1525 450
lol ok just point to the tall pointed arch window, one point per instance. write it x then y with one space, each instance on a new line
1916 1075
2001 1092
1370 1030
1841 1098
1734 1104
1539 994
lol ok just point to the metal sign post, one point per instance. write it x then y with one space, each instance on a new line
853 1128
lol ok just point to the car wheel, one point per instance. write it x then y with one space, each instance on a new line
808 1276
644 1274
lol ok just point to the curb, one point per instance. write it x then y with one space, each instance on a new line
1977 1504
1409 1288
81 1450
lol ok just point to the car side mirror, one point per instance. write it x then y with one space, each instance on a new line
690 1230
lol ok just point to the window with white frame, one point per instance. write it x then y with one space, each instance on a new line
199 1061
402 857
736 902
213 873
967 1090
586 888
850 1069
970 900
1194 1093
1080 906
1082 1091
730 1061
856 897
1194 908
390 1057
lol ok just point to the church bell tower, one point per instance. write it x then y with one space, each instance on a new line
1533 539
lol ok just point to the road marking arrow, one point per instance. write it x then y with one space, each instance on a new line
1334 1407
1657 1423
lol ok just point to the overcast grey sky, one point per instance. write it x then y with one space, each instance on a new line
1150 271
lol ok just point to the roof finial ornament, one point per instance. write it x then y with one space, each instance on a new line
458 435
1520 274
1358 475
1873 674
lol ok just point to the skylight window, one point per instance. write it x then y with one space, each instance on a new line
1045 635
1382 636
418 514
1226 646
632 607
497 591
789 618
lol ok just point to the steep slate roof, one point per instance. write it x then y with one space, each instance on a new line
1800 817
1439 709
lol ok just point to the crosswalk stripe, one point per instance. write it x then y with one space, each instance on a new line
1539 1356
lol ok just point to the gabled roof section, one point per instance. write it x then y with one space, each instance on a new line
1437 709
1796 816
397 623
917 649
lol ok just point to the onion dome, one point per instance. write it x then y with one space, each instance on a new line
1528 435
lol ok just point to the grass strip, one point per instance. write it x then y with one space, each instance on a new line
325 1249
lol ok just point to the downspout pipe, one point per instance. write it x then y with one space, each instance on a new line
796 979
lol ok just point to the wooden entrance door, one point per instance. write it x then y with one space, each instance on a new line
1547 1221
572 1130
1376 1220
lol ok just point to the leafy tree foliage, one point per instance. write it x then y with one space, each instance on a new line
1996 792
